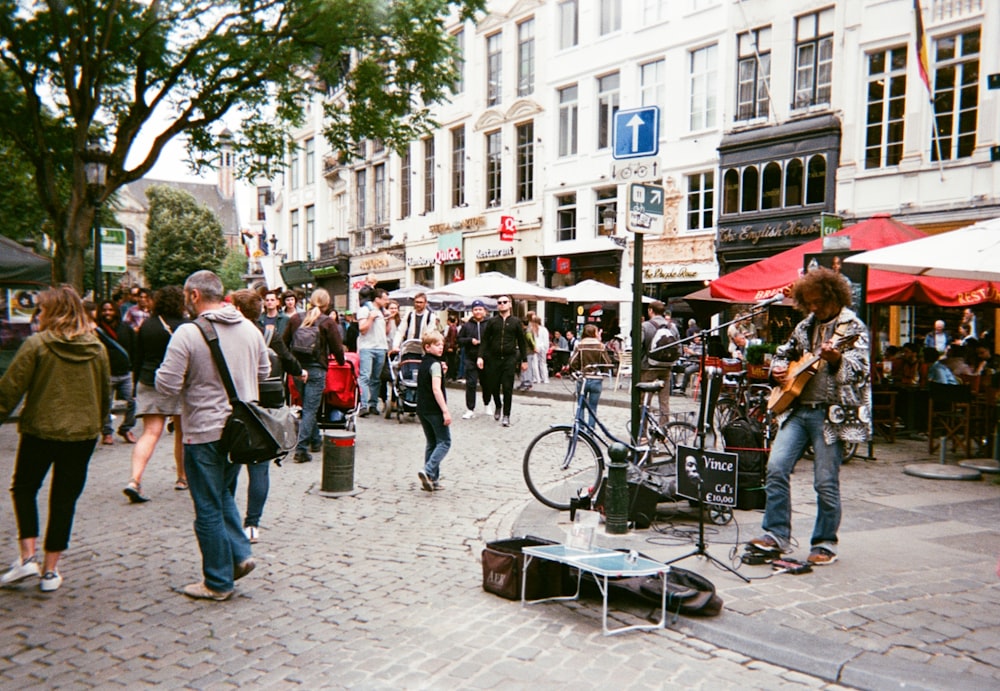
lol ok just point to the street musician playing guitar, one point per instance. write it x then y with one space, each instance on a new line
824 406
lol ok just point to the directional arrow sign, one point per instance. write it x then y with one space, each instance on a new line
636 133
645 208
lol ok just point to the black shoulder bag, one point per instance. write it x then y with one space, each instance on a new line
253 433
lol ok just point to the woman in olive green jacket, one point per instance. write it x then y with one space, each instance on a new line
64 372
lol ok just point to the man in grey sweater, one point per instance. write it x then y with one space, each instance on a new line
189 370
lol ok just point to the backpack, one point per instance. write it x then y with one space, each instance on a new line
662 351
307 343
745 437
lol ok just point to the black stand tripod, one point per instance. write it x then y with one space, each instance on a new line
710 378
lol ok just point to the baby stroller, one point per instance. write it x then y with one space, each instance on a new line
403 378
341 394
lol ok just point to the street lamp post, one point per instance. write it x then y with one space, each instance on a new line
96 169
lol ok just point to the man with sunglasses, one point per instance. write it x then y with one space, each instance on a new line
502 348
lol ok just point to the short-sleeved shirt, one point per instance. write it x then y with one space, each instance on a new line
375 338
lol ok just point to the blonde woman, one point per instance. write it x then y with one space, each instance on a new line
63 369
314 366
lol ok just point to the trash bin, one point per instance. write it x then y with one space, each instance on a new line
338 461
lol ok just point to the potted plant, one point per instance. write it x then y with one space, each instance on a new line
757 355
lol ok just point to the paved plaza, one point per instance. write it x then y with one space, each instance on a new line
383 589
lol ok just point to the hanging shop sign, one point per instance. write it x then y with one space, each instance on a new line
562 265
508 228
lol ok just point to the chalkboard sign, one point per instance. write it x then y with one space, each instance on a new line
707 476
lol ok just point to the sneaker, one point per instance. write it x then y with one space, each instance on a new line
506 421
316 448
768 543
200 591
301 457
425 482
468 415
373 410
252 533
21 569
50 582
244 568
364 412
497 413
821 556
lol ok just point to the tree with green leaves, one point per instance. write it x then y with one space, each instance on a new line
103 71
233 269
184 236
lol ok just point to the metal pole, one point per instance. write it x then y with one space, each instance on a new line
637 333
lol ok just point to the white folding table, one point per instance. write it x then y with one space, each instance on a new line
603 564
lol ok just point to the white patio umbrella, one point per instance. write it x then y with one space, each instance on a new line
595 291
494 283
972 252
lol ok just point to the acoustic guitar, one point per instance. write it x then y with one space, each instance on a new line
800 373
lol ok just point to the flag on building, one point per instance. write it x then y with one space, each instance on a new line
921 44
246 237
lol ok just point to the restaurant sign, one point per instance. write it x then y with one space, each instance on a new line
754 234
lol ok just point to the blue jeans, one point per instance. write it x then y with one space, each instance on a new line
216 520
122 387
312 396
803 427
372 361
259 479
592 395
438 437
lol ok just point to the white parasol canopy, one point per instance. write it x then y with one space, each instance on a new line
493 284
595 291
972 253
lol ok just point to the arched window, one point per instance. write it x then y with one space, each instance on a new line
130 242
731 192
793 183
750 188
771 187
816 180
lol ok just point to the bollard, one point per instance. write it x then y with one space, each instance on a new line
616 506
338 461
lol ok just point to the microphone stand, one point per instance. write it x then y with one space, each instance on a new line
709 381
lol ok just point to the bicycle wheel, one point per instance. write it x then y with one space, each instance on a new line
557 466
726 410
664 447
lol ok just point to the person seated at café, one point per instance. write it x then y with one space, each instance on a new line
906 365
937 371
954 360
981 360
688 364
938 338
883 368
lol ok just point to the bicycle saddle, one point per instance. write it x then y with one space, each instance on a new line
650 385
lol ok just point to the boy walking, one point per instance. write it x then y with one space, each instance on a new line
432 409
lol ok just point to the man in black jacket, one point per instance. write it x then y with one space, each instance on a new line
503 346
469 338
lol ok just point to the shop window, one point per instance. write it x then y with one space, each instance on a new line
731 192
793 183
771 187
424 276
816 180
750 189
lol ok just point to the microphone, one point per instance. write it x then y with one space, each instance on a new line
771 300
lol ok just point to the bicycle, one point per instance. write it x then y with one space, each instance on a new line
566 460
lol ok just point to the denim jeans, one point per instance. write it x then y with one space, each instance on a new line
438 437
259 483
372 361
803 427
311 393
216 519
122 387
592 395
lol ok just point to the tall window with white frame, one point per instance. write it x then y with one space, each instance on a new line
310 230
405 186
565 217
293 232
653 11
494 178
569 24
460 61
704 92
526 57
607 105
381 207
813 58
753 74
361 198
701 201
293 168
606 205
611 16
569 108
494 69
652 89
886 107
428 174
526 162
310 163
956 94
458 166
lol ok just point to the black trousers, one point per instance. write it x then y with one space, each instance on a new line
69 460
472 378
499 379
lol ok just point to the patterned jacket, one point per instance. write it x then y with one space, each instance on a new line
849 414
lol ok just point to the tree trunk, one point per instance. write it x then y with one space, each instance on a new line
77 235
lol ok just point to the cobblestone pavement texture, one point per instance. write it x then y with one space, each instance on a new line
382 589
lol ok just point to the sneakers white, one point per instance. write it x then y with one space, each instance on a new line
50 582
19 570
252 533
468 415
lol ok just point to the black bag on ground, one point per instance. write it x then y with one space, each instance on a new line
745 438
688 593
503 564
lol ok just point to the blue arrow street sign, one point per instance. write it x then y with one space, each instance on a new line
637 133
